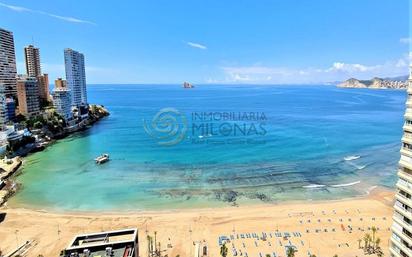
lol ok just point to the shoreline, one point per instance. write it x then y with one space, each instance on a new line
317 221
374 193
12 187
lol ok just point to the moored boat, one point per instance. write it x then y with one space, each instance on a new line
102 158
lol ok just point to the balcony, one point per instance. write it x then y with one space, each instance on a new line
404 162
407 138
394 252
407 126
402 198
406 151
403 211
400 246
404 237
400 219
404 175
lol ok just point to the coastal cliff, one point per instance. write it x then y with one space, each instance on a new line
376 83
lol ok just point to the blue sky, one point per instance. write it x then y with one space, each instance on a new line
215 41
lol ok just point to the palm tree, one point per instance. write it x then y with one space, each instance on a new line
366 239
377 242
373 236
290 252
223 250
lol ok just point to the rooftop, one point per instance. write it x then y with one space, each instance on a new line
109 243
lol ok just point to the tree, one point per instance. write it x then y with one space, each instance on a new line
223 250
373 236
359 242
378 241
290 252
366 238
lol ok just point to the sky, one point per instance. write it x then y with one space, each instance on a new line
215 41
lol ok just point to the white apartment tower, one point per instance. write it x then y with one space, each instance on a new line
8 70
32 56
75 76
62 99
401 240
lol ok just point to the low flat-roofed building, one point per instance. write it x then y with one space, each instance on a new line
118 243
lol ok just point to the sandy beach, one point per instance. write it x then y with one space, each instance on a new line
323 228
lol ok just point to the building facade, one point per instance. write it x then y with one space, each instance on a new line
32 58
8 71
10 109
28 96
3 107
62 99
75 76
44 94
60 83
401 240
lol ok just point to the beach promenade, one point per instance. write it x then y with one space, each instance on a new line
321 228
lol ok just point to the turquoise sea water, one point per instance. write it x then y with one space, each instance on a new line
309 131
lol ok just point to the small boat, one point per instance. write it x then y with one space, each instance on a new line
102 158
351 158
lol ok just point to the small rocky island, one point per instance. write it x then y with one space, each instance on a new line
377 83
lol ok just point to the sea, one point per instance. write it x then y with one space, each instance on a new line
219 146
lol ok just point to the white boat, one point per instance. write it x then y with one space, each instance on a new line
102 158
351 158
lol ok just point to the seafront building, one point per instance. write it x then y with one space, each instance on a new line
10 109
119 243
60 83
3 107
44 95
8 71
33 69
28 96
62 99
75 76
401 240
32 57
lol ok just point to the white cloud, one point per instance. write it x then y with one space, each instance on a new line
197 45
405 40
338 71
63 18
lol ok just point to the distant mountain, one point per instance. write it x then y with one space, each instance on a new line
400 82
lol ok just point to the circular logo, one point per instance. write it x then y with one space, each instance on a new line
168 127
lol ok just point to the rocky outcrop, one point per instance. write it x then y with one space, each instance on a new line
376 83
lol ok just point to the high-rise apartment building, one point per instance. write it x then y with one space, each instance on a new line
75 76
32 57
44 94
3 107
8 70
33 69
62 99
28 96
401 240
60 83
